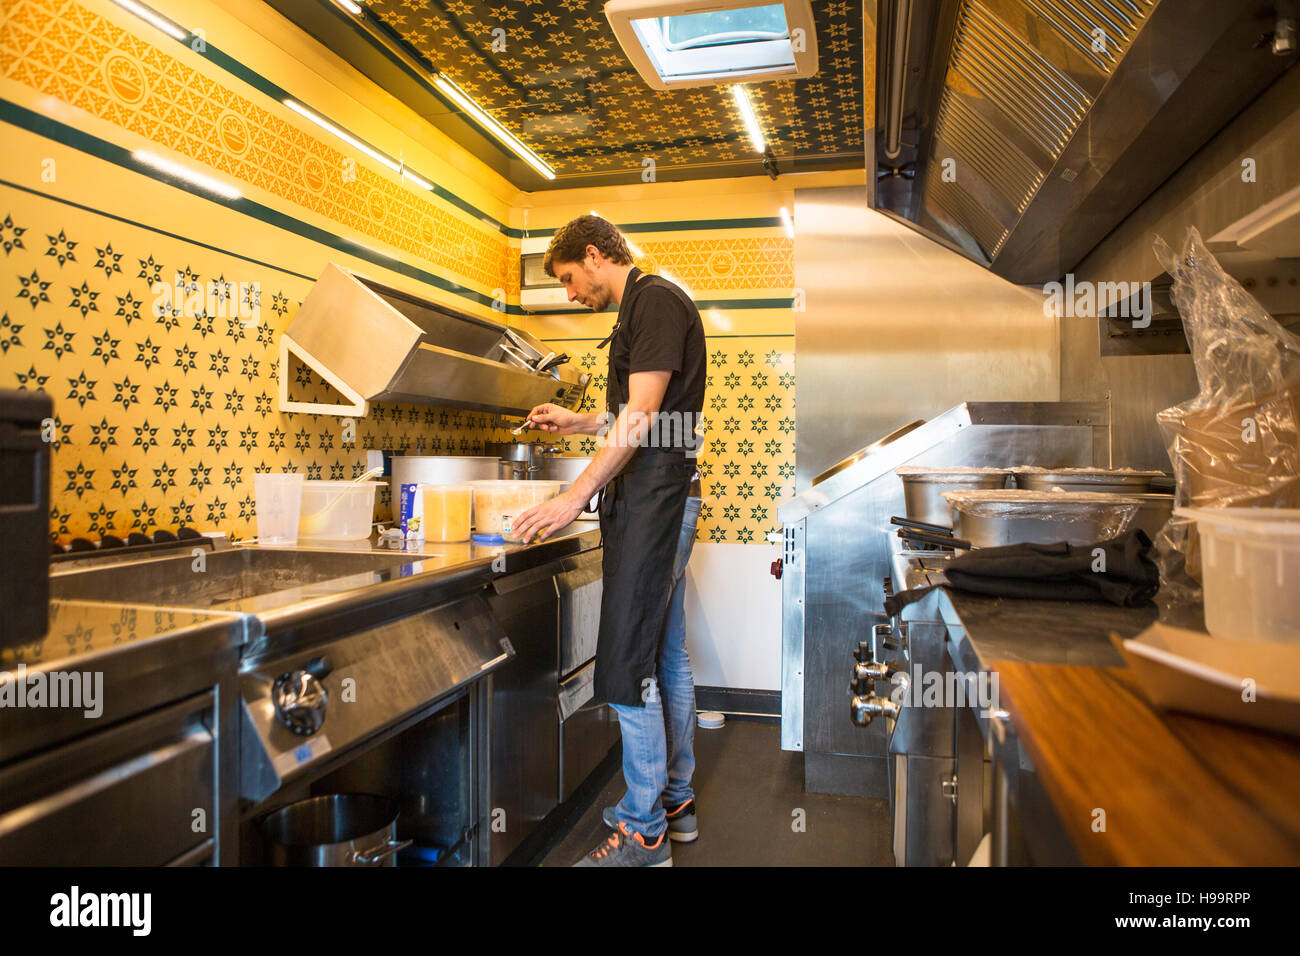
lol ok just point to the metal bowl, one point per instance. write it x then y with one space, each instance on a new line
923 489
1155 512
991 519
1103 480
440 470
567 470
337 829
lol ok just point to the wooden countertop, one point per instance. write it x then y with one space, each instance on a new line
1177 790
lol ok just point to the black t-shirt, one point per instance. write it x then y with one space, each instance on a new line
659 329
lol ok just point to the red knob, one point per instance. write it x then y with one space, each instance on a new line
776 568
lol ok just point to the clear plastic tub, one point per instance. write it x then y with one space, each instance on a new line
278 503
1250 570
495 501
447 512
337 510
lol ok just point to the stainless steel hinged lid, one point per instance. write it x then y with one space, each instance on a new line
375 343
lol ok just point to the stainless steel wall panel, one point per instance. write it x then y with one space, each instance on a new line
898 327
1209 193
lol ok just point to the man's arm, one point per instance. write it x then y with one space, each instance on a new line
560 421
645 395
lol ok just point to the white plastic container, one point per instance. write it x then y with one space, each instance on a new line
337 510
498 500
278 501
1250 569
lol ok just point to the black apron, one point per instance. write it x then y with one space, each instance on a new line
640 523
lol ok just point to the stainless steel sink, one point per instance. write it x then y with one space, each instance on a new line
219 579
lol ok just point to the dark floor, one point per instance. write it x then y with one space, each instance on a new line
747 793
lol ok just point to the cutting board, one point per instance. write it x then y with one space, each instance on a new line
1172 789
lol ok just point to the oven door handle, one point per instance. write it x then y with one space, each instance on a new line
507 652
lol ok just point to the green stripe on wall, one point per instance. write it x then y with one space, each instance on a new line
684 225
19 116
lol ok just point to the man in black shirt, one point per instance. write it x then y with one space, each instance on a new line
644 471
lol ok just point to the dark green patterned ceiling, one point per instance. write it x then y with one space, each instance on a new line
552 72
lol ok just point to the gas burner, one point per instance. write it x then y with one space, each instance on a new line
136 542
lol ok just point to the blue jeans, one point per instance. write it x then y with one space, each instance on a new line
658 751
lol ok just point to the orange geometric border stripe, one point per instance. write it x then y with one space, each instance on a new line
62 49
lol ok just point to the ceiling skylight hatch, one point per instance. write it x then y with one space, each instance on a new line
681 43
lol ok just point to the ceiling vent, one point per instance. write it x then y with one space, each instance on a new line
681 43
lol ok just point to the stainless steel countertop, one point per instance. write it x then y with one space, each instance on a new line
983 629
80 631
83 632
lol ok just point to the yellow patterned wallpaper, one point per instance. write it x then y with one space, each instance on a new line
63 49
163 419
726 264
163 422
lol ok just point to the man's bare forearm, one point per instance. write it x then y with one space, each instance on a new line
613 456
590 424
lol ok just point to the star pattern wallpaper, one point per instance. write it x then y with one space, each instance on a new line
553 73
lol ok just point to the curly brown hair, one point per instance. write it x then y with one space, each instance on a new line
569 244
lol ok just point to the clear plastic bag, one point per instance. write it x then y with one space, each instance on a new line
1237 442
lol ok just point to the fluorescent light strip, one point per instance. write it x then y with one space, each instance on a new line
459 97
154 19
751 120
351 140
187 174
788 222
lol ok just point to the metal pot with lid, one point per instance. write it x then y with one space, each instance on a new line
989 519
338 829
1124 481
923 488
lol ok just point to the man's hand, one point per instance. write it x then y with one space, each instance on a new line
553 418
548 517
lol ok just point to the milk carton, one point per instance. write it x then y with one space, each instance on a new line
411 511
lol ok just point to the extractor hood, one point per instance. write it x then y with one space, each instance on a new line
374 343
1021 132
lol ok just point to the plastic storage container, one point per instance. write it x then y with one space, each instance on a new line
447 512
1250 569
278 503
494 501
337 510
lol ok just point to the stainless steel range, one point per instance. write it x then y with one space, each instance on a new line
836 556
358 670
451 678
891 677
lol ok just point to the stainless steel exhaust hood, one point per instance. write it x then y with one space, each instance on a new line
374 343
1021 132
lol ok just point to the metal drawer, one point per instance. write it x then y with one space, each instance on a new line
142 793
587 731
579 586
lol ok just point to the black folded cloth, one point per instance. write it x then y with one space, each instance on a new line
1119 571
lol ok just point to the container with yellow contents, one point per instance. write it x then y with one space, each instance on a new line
498 502
447 512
